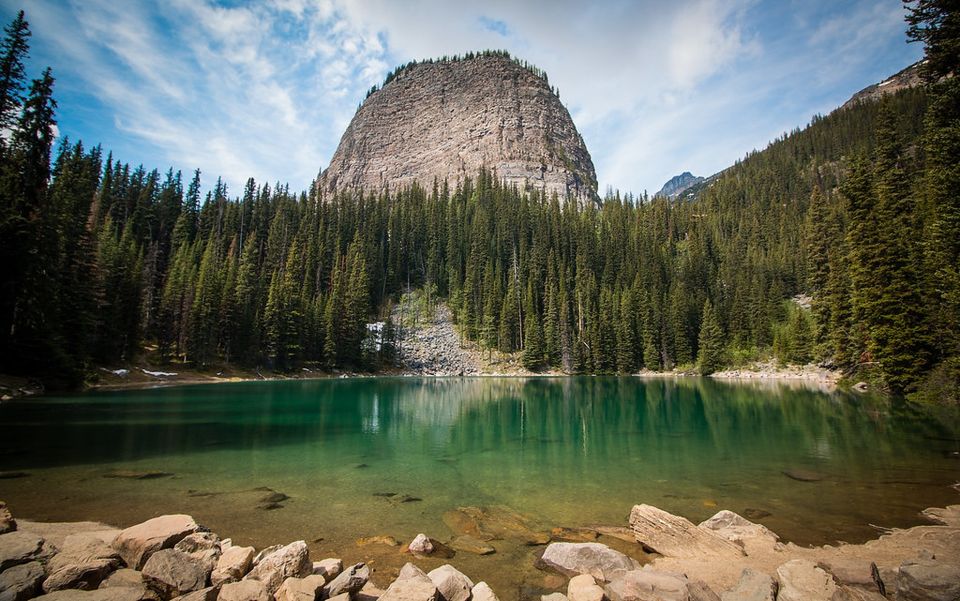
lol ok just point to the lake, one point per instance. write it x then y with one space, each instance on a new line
365 457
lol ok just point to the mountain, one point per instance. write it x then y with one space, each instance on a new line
443 120
678 184
907 78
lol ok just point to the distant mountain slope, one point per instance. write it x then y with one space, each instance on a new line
907 78
679 184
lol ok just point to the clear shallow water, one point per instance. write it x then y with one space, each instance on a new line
565 452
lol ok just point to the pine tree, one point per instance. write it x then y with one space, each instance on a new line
13 51
710 358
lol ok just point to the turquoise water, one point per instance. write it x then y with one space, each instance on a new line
560 451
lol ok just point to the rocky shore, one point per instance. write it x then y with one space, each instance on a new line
725 558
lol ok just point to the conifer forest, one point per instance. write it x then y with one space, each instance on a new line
839 244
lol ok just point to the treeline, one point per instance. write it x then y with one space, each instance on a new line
837 243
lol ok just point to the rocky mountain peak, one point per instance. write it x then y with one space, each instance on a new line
445 119
678 184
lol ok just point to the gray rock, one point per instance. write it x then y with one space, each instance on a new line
351 580
7 523
83 563
452 584
264 552
651 585
421 545
245 590
853 572
300 589
291 561
411 586
584 587
233 565
482 592
554 597
857 593
445 119
411 571
205 594
675 536
928 581
137 543
737 529
369 592
204 546
753 586
56 533
149 589
104 594
179 572
19 547
596 559
329 568
21 581
801 580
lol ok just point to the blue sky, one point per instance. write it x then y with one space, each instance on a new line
265 89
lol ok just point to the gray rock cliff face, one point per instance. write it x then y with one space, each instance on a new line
444 120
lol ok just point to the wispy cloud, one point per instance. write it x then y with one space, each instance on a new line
265 89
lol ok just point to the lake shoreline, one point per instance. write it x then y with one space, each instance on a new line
726 554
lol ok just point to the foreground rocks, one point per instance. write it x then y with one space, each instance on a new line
724 558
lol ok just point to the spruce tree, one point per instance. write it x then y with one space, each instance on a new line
710 358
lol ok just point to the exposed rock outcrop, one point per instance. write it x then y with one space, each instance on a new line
444 120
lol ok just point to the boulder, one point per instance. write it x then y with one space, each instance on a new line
83 563
596 559
421 545
411 571
205 594
329 568
245 590
674 536
412 585
583 587
452 584
178 572
928 581
149 589
21 581
264 552
204 546
351 580
738 529
470 544
19 547
119 593
369 592
801 580
554 597
651 585
137 543
7 523
853 572
857 593
291 561
234 563
300 589
482 592
753 586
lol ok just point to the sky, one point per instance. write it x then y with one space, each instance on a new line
265 89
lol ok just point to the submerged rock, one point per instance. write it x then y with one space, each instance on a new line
469 544
803 475
137 543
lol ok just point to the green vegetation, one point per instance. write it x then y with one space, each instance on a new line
859 212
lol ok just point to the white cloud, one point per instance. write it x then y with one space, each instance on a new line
265 89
